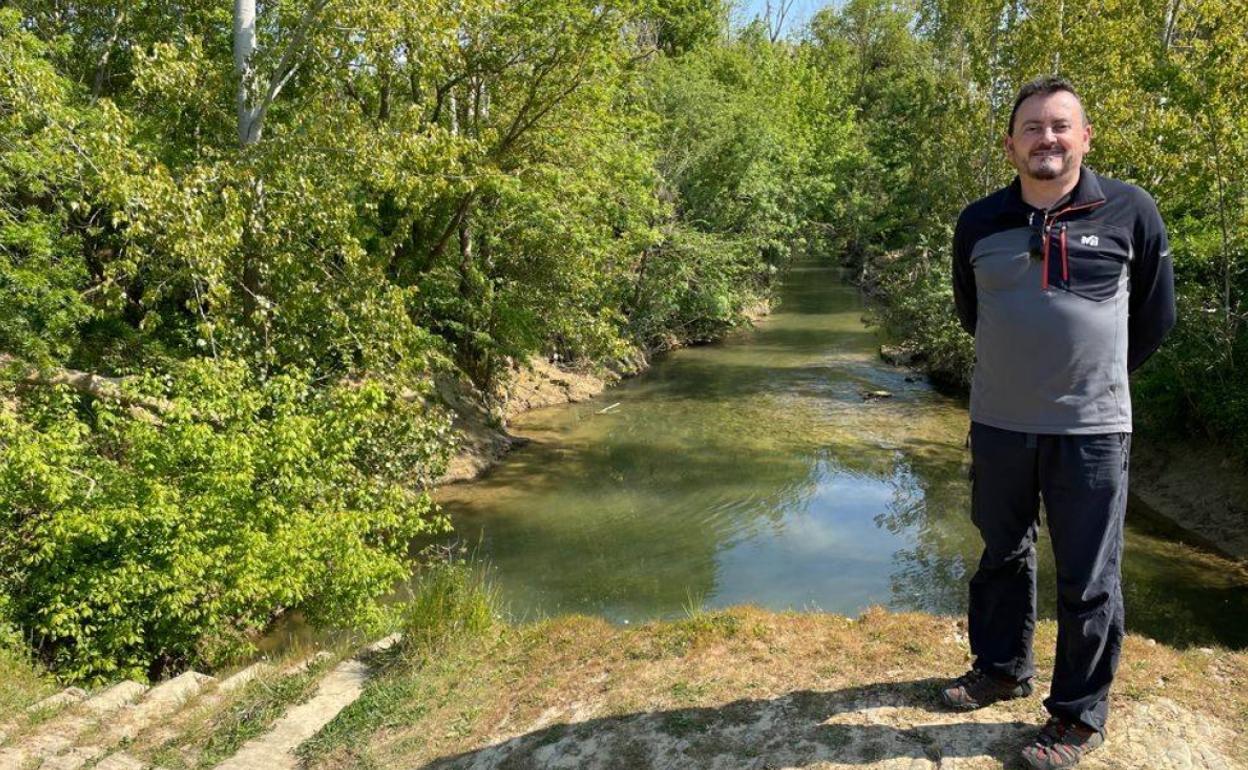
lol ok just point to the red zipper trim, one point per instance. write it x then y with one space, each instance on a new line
1050 219
1093 204
1065 265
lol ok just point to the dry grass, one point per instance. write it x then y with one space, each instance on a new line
215 725
568 674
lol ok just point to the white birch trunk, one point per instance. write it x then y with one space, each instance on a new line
245 45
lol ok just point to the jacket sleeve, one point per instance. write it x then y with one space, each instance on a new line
1151 308
964 295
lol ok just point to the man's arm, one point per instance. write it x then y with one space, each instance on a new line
1151 306
964 296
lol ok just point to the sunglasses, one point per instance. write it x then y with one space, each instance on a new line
1035 245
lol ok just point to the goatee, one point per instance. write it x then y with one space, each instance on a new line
1045 172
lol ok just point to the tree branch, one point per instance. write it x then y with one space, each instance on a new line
94 385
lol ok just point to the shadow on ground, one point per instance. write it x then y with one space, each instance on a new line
884 725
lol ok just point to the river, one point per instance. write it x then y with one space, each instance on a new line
756 471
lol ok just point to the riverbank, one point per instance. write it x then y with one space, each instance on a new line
481 419
737 688
748 688
1199 489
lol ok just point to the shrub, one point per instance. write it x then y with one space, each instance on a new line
131 544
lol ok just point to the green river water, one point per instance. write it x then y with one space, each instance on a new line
754 471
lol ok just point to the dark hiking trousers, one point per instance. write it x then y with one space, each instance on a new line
1083 480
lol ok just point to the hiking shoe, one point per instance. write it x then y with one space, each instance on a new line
1061 744
975 689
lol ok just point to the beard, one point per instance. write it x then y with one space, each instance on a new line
1047 170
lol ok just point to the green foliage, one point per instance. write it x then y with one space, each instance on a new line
131 546
934 81
738 156
918 291
22 681
686 25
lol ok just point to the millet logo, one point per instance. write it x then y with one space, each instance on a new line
1089 240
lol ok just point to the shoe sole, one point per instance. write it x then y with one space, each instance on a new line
1049 766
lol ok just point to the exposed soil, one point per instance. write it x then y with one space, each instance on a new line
1198 487
747 688
480 420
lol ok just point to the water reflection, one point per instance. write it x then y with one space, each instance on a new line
755 472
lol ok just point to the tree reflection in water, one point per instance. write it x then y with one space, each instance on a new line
754 471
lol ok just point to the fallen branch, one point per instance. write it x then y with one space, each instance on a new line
94 385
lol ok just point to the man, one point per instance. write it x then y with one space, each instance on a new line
1064 279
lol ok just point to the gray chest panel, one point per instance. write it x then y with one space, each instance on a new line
1052 359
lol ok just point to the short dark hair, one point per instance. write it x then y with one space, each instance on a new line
1045 85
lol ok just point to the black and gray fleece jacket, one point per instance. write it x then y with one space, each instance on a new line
1057 330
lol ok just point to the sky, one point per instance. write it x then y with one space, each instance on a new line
802 11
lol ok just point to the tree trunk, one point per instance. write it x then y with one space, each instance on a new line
245 45
101 69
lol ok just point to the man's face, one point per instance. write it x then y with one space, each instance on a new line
1050 136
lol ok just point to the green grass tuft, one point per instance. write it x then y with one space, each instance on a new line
22 681
452 601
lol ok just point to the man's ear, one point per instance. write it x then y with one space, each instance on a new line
1087 139
1007 144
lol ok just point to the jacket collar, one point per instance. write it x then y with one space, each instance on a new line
1087 192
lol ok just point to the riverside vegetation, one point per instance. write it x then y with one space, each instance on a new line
233 265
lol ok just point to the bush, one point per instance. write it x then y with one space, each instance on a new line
132 544
916 305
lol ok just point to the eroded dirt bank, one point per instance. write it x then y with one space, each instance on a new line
481 421
1197 487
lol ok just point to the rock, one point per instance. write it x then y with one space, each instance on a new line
159 702
871 395
115 697
73 759
274 749
384 643
242 678
63 698
121 761
899 356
